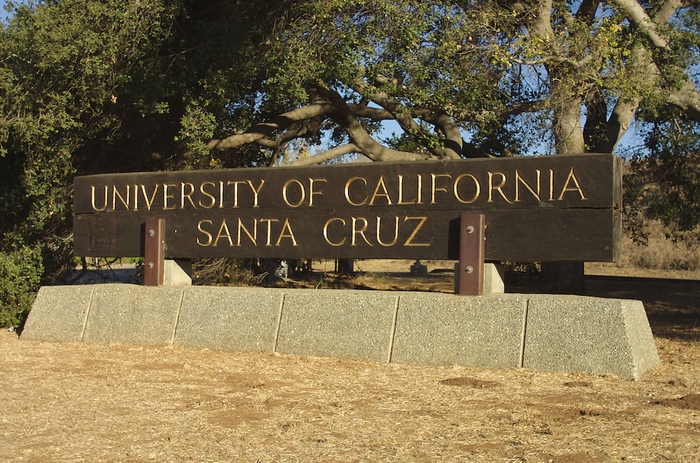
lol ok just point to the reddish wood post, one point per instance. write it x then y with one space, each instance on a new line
471 254
154 252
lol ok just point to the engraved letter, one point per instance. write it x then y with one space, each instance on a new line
325 231
493 187
302 191
400 201
268 242
253 237
256 192
434 188
569 179
519 180
359 231
379 233
187 195
167 196
211 197
382 185
202 230
149 201
223 232
94 206
311 189
347 191
125 202
409 241
286 226
477 189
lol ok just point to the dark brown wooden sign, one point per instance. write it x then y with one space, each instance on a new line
550 208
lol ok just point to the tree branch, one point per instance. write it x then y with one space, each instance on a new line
266 129
358 135
326 155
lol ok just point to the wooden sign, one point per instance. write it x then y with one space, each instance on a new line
550 208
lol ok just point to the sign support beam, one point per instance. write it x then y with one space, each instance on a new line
154 252
471 254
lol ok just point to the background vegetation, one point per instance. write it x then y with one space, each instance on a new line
92 86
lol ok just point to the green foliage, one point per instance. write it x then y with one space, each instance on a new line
91 86
20 271
664 182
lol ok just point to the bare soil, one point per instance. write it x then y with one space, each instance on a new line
98 403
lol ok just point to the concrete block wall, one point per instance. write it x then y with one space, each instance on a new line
543 332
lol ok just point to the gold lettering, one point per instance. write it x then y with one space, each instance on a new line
286 226
379 233
253 237
208 195
94 206
325 231
202 230
167 196
223 232
477 189
385 194
551 184
302 191
235 184
409 241
499 187
569 179
419 188
519 180
311 189
187 195
434 188
268 242
347 191
256 192
221 194
116 194
400 201
149 200
360 231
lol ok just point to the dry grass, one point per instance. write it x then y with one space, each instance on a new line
660 253
78 402
98 403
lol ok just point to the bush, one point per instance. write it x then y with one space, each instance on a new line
20 274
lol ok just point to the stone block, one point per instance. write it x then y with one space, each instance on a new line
132 314
587 334
445 329
177 272
239 319
333 323
542 332
59 313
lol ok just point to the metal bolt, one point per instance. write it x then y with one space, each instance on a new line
150 265
151 232
469 269
470 229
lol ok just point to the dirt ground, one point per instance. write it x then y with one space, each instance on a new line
98 403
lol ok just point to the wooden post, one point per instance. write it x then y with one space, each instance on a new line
471 255
154 252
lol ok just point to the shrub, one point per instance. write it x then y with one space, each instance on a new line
20 274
